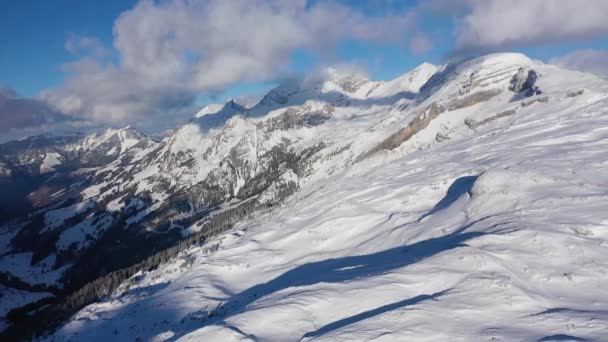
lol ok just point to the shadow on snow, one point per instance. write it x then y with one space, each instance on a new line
344 270
371 313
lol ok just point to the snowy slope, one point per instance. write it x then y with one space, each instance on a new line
211 108
213 117
57 169
465 212
13 298
411 82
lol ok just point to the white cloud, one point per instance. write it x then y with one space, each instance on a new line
420 43
499 24
587 60
171 51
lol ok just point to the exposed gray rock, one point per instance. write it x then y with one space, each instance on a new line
416 125
524 82
474 99
472 123
293 118
543 99
574 93
441 137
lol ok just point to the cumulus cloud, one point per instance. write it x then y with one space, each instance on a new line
587 60
498 24
171 51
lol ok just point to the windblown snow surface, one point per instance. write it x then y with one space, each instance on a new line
490 232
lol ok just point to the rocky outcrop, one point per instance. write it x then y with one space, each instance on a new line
575 93
472 123
524 82
419 122
474 99
297 117
543 99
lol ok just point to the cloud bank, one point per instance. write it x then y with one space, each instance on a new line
169 52
587 60
491 25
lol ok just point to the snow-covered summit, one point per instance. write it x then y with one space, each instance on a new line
211 108
231 107
218 118
410 82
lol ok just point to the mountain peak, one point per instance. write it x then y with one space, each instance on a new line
410 82
215 108
233 105
211 108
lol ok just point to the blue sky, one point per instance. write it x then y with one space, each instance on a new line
34 33
384 37
33 54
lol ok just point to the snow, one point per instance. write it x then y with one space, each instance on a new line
12 298
116 205
51 160
93 190
209 109
55 218
79 235
498 233
209 118
20 266
111 151
127 138
407 83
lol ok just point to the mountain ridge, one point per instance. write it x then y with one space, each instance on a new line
298 136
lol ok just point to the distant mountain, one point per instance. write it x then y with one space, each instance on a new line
211 108
36 166
215 116
330 191
410 82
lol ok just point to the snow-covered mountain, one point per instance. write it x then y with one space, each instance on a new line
460 202
215 116
410 82
211 108
37 171
43 154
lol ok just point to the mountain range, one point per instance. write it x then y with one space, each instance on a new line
463 200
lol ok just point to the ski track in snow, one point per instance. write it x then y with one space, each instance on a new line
498 234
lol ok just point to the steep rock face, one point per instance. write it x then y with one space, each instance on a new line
420 122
